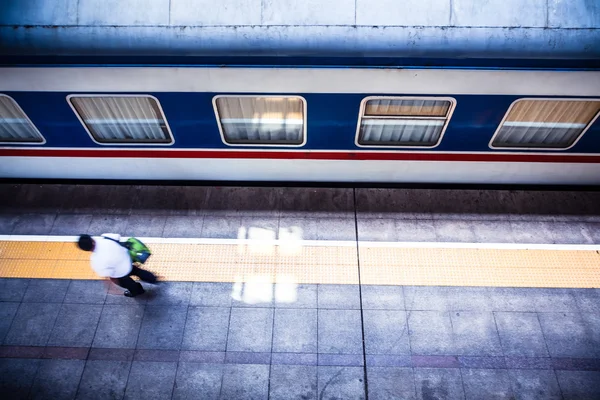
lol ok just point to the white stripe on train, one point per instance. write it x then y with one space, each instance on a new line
300 80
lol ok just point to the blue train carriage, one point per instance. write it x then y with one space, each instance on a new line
348 125
509 102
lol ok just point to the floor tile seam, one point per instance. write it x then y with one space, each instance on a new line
55 318
86 229
272 344
175 376
544 337
162 230
180 345
452 330
137 340
498 335
28 281
317 312
55 302
362 318
562 393
97 324
556 363
13 320
511 384
408 333
143 213
226 345
542 312
129 368
463 310
438 310
55 214
53 221
83 370
414 382
35 375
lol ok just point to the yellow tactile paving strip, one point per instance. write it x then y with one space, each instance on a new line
323 264
480 267
191 262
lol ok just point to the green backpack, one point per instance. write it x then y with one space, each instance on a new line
138 251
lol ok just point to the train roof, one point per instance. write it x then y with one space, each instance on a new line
349 31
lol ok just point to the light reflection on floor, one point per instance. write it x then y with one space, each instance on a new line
260 290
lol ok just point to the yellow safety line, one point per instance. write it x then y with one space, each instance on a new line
322 264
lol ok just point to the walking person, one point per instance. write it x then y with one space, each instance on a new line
110 259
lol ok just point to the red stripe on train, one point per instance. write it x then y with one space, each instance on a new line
301 155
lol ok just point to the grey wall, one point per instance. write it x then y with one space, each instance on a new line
489 28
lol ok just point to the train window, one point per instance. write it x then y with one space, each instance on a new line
15 126
261 120
545 124
126 119
403 121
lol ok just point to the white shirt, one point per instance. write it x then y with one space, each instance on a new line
110 258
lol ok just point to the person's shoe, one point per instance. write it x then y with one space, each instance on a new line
129 294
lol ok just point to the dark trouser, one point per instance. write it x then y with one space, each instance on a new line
134 287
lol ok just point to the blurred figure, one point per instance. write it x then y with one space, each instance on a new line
110 258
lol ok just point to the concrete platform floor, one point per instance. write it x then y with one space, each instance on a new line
65 339
413 215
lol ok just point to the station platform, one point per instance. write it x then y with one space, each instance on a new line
324 293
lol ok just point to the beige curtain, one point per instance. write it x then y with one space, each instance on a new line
545 123
14 125
261 120
403 122
122 119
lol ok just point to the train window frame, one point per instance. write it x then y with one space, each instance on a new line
540 148
361 115
36 130
158 105
304 120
